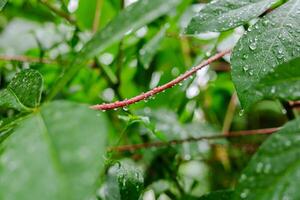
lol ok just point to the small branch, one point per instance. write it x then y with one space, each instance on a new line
159 89
294 104
26 59
235 134
229 114
58 12
97 16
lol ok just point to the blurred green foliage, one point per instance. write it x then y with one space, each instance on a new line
47 36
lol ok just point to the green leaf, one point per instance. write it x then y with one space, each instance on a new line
222 15
85 12
2 4
124 183
148 51
274 171
258 69
24 91
130 19
218 195
56 153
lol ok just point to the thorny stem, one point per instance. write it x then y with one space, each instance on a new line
235 134
159 89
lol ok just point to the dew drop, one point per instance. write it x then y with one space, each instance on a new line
253 46
246 68
266 22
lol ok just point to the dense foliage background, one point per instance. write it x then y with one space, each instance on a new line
58 57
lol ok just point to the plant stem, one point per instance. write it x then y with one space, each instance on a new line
159 89
235 134
229 114
97 16
26 59
58 12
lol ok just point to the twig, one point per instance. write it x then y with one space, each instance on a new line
58 12
26 59
159 89
229 114
294 104
97 16
235 134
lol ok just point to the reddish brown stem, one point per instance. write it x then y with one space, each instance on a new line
26 59
194 139
159 89
294 104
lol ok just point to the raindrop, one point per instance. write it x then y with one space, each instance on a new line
284 111
245 56
246 68
266 22
253 46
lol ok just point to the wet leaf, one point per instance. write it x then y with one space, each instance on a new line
2 4
130 19
222 15
24 91
124 183
263 64
274 171
56 153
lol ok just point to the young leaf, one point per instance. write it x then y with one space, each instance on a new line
130 19
218 195
222 15
124 183
24 91
274 171
2 4
258 68
56 153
